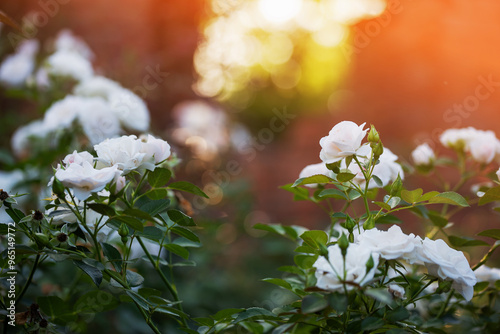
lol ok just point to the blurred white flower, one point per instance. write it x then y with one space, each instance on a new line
343 140
157 150
125 152
61 114
69 64
84 179
16 68
97 86
482 145
98 121
330 273
8 183
391 244
315 169
67 41
487 274
130 109
20 141
423 155
447 263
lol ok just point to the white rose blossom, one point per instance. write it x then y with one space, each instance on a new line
423 155
343 140
78 158
97 86
157 150
387 170
130 109
487 274
61 114
125 152
67 41
315 169
330 273
98 121
482 145
16 68
84 179
447 263
20 141
66 63
391 244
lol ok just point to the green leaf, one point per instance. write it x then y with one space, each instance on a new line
378 181
159 177
94 273
465 242
314 238
95 301
338 301
103 209
291 232
305 261
157 193
332 193
152 233
180 218
226 314
176 249
313 303
255 313
314 179
411 196
279 282
143 303
383 205
57 309
184 232
299 194
187 187
138 214
380 294
345 177
398 314
428 196
388 219
394 201
437 219
155 207
491 195
129 221
134 279
493 233
449 197
291 269
113 256
371 323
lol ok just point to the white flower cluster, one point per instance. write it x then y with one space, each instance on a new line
116 157
344 140
440 260
102 107
482 145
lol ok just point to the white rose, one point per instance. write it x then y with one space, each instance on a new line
487 274
157 150
315 169
97 86
84 179
98 121
343 140
393 244
423 155
498 173
62 113
483 148
16 68
448 264
20 141
125 152
330 274
69 64
78 158
130 109
66 41
387 169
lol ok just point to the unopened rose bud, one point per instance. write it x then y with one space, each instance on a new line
373 136
41 239
343 244
58 188
123 230
370 263
378 149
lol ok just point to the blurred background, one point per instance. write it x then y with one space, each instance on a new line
244 90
